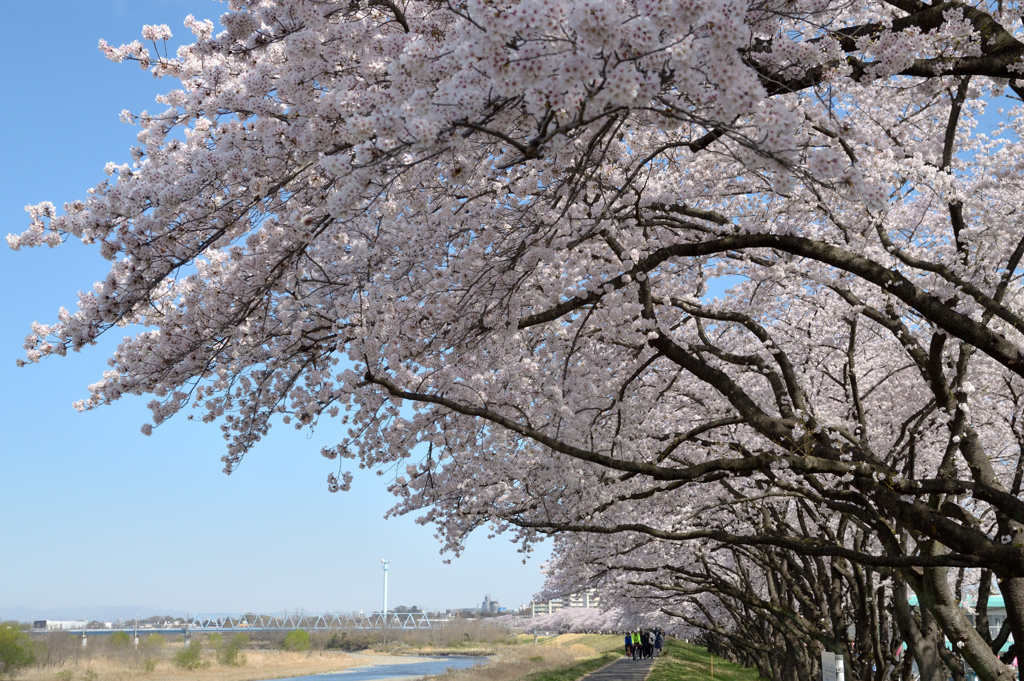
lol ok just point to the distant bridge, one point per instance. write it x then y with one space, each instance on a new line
310 622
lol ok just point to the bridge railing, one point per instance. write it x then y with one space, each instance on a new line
221 622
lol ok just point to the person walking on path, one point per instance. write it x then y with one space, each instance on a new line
658 641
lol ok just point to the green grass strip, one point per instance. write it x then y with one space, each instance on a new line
601 643
684 662
573 672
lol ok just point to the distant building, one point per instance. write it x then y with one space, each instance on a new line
584 599
489 606
461 613
545 608
58 625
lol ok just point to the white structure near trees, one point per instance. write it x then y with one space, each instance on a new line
59 625
582 599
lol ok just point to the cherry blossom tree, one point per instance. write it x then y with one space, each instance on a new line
766 607
481 235
585 620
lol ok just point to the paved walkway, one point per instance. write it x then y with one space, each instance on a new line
623 670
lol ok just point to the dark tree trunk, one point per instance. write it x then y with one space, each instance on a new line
920 638
1013 597
981 616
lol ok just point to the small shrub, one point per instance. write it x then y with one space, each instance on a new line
16 649
191 657
215 641
90 675
240 640
65 675
297 641
230 657
350 641
119 640
149 665
537 658
152 643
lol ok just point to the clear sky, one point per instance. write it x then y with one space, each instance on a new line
94 512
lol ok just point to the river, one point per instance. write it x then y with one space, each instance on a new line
428 667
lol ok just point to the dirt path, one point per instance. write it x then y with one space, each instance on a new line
625 669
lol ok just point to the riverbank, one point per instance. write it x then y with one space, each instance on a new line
562 658
548 661
260 665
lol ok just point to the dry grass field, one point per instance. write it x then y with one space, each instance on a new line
259 665
510 660
515 662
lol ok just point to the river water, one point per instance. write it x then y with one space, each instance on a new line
428 667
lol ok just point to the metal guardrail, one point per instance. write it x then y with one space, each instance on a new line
311 622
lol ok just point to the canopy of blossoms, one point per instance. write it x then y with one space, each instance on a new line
481 235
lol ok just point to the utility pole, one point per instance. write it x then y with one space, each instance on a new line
384 610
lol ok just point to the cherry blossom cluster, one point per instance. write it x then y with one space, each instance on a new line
485 241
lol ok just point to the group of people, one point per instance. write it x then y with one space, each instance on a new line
644 644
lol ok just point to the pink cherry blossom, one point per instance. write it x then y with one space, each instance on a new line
484 238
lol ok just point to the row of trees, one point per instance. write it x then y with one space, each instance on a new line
482 236
776 610
57 650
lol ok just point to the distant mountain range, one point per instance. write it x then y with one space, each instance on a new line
101 613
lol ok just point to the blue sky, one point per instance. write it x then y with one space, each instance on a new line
98 514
